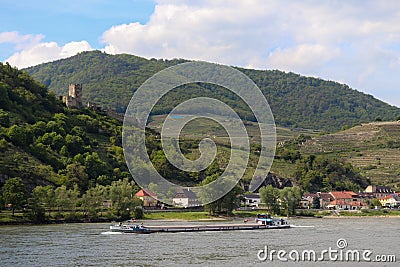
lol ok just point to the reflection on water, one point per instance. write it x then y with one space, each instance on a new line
85 245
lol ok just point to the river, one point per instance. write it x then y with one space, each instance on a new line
91 245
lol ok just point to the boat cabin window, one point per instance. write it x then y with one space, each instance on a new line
263 216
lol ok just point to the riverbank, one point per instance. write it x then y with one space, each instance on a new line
6 218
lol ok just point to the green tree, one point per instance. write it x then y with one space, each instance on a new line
315 174
74 144
270 196
39 128
227 201
45 196
123 201
4 118
66 199
35 211
161 163
312 181
376 203
232 200
92 200
94 166
77 175
205 195
64 151
291 155
4 98
290 198
139 214
14 193
19 136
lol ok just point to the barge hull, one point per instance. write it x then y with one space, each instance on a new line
203 228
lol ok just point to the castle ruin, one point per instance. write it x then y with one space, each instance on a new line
74 97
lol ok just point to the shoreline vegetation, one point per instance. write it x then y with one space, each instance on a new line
6 217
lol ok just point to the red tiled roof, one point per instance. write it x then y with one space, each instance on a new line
351 204
145 192
343 194
337 202
386 197
351 193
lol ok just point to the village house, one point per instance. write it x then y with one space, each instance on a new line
148 197
307 200
390 201
346 200
379 191
252 200
324 199
365 196
186 198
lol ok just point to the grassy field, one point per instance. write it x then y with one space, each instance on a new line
363 213
6 217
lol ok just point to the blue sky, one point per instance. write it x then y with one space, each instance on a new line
65 21
352 42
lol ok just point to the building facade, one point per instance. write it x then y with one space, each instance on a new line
148 197
186 198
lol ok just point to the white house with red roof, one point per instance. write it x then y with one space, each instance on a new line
148 197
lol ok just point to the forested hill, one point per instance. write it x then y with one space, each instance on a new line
44 143
296 101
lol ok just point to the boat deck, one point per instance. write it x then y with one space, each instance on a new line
214 227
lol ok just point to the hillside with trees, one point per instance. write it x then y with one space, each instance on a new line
296 101
54 158
57 158
71 160
43 142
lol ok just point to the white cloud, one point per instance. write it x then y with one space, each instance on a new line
302 58
248 33
349 41
20 41
45 52
358 44
213 31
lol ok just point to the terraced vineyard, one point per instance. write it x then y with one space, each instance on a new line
374 148
205 128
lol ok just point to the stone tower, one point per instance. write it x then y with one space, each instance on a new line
74 98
